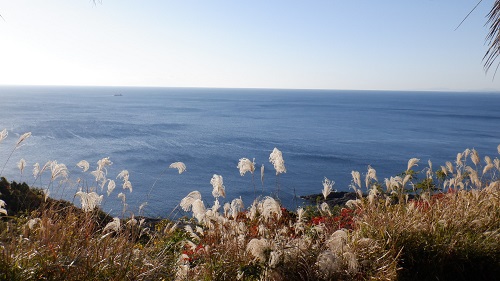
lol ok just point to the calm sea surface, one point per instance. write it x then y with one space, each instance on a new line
321 134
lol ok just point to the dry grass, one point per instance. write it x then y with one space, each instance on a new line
443 226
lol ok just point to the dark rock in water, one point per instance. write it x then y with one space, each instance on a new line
334 198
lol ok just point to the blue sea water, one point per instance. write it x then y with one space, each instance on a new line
321 134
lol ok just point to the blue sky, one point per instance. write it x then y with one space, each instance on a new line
332 44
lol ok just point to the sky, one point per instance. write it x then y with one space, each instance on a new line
292 44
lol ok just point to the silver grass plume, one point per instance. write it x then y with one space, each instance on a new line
36 170
103 163
458 162
268 207
111 186
429 170
187 201
122 196
370 175
181 167
352 262
327 187
258 248
124 175
337 241
112 226
199 210
245 165
475 157
58 170
300 214
498 149
127 185
449 167
325 208
262 174
4 134
236 207
356 177
276 158
329 263
218 186
21 165
2 207
33 222
412 162
489 164
84 165
89 200
22 138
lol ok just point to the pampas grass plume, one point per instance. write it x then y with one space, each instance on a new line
412 162
84 165
218 186
21 164
181 167
187 201
276 158
111 186
245 165
22 138
4 134
327 187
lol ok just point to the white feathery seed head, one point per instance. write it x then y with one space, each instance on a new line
276 158
412 162
198 209
370 175
356 178
498 149
112 226
36 170
124 175
83 165
327 187
127 185
4 134
245 165
218 186
269 207
22 138
111 186
187 201
262 174
103 163
325 208
21 165
236 207
458 162
300 214
2 207
475 157
122 196
449 167
58 170
329 263
181 167
90 200
32 222
337 241
258 248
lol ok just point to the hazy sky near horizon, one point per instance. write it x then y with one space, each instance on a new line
316 44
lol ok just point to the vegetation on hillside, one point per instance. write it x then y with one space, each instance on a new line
424 224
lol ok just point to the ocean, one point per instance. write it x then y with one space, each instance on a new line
321 133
